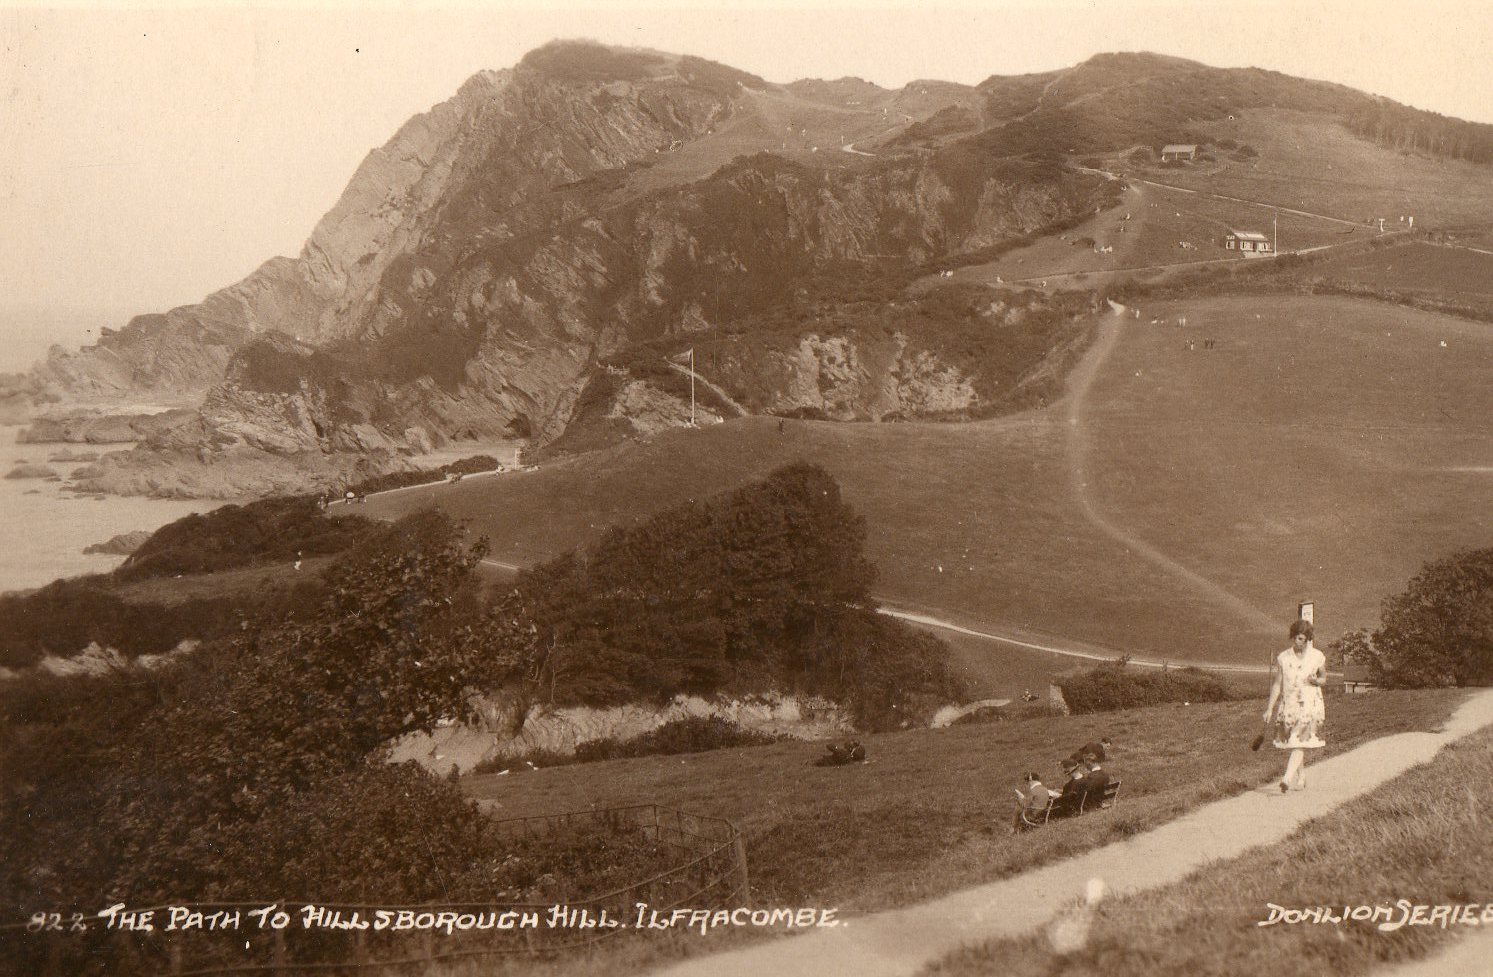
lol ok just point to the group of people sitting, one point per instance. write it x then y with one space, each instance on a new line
1084 783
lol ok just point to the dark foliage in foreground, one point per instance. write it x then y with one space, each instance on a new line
255 768
64 617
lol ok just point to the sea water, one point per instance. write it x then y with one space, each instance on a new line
44 529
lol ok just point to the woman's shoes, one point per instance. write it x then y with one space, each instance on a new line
1283 787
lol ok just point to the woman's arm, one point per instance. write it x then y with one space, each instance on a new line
1274 693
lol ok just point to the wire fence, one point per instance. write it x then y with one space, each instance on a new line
707 870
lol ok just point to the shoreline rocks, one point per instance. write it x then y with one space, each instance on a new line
97 427
121 545
33 471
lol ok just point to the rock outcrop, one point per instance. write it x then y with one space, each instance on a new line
121 545
482 264
561 730
98 427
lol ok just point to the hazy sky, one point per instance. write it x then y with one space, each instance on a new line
148 157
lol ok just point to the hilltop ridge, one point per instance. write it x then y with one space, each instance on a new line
504 253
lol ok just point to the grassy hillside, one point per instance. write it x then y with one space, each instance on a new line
1411 839
1309 456
1316 452
1310 162
931 812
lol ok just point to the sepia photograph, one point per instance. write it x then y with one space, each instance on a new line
578 488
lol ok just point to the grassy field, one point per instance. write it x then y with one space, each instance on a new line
1418 269
1424 837
1312 163
931 812
1316 453
1321 444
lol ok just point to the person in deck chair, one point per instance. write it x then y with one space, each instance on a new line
1067 803
1095 781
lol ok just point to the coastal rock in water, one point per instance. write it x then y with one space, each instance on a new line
32 471
122 545
233 473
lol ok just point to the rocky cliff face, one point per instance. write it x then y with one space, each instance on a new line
482 263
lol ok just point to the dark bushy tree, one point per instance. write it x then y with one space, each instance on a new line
1439 631
763 589
192 771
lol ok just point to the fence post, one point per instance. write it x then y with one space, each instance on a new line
741 867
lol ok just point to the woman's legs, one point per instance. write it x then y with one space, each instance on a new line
1295 776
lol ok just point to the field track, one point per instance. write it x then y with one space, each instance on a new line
1080 438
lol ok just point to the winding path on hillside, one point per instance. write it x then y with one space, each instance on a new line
902 942
1080 437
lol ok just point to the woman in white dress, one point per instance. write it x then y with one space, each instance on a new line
1296 703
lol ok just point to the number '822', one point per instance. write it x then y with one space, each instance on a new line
54 923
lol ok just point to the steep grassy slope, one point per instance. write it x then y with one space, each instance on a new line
1309 456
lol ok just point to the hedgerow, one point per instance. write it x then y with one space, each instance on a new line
1115 686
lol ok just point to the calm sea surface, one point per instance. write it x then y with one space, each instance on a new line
43 529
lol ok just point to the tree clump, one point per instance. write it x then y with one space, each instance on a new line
763 589
1437 632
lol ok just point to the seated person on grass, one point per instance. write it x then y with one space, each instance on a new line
1068 802
1031 799
1095 782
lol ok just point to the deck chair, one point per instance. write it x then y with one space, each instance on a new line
1035 818
1105 798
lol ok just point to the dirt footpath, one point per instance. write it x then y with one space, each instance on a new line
903 941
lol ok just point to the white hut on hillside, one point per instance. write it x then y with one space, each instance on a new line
1252 244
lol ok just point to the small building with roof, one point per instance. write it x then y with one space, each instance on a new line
1252 244
1176 152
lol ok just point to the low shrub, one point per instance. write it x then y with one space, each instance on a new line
1117 686
471 465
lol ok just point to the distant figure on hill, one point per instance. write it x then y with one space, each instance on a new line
839 754
1295 705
